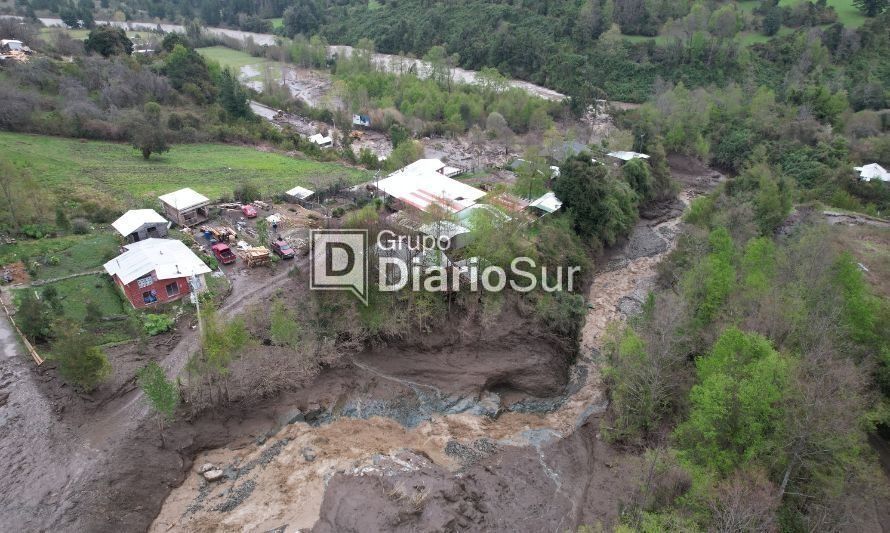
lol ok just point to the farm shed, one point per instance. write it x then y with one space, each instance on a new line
627 156
140 224
324 141
298 194
426 185
186 207
156 271
872 171
548 203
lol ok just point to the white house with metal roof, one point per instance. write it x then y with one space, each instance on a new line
140 224
156 271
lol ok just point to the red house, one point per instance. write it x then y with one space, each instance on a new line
156 271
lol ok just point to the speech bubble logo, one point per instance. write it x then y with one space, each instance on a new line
338 261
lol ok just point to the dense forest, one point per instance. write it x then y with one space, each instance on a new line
579 48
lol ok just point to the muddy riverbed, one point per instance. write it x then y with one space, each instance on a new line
421 444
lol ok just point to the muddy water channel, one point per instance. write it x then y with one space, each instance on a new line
389 62
282 479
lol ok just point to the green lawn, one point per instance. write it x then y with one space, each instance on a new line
117 174
277 23
75 253
74 294
846 11
237 61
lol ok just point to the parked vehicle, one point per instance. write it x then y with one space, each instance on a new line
248 210
223 253
283 249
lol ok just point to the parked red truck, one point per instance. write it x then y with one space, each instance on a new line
223 253
248 211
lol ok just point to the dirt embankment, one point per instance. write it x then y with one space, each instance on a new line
468 431
471 429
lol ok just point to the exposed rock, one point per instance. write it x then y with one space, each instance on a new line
213 475
644 242
206 467
629 306
308 454
292 416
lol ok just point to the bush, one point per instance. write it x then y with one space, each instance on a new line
246 193
34 317
157 324
80 226
80 363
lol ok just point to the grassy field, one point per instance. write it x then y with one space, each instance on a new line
277 23
75 253
250 68
75 293
116 173
846 11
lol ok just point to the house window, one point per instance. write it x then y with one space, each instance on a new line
145 281
172 289
152 230
149 297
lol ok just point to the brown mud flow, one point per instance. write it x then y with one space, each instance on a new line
478 441
500 435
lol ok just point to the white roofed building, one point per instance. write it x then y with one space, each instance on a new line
548 203
299 194
872 171
426 186
321 140
155 271
186 207
140 224
627 156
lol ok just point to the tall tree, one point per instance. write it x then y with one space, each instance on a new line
162 394
871 8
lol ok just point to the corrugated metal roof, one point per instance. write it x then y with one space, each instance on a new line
184 199
627 156
872 171
135 218
422 185
300 192
549 203
167 258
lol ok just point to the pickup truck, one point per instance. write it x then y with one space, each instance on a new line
223 253
248 211
283 249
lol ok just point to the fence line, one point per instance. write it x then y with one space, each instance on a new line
28 345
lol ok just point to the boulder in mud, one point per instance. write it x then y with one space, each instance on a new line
206 467
214 475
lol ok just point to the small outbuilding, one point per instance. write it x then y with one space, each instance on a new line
363 121
156 271
872 171
547 203
186 207
140 224
627 155
299 195
325 141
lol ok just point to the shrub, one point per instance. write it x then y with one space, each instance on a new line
157 324
246 193
80 363
80 226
